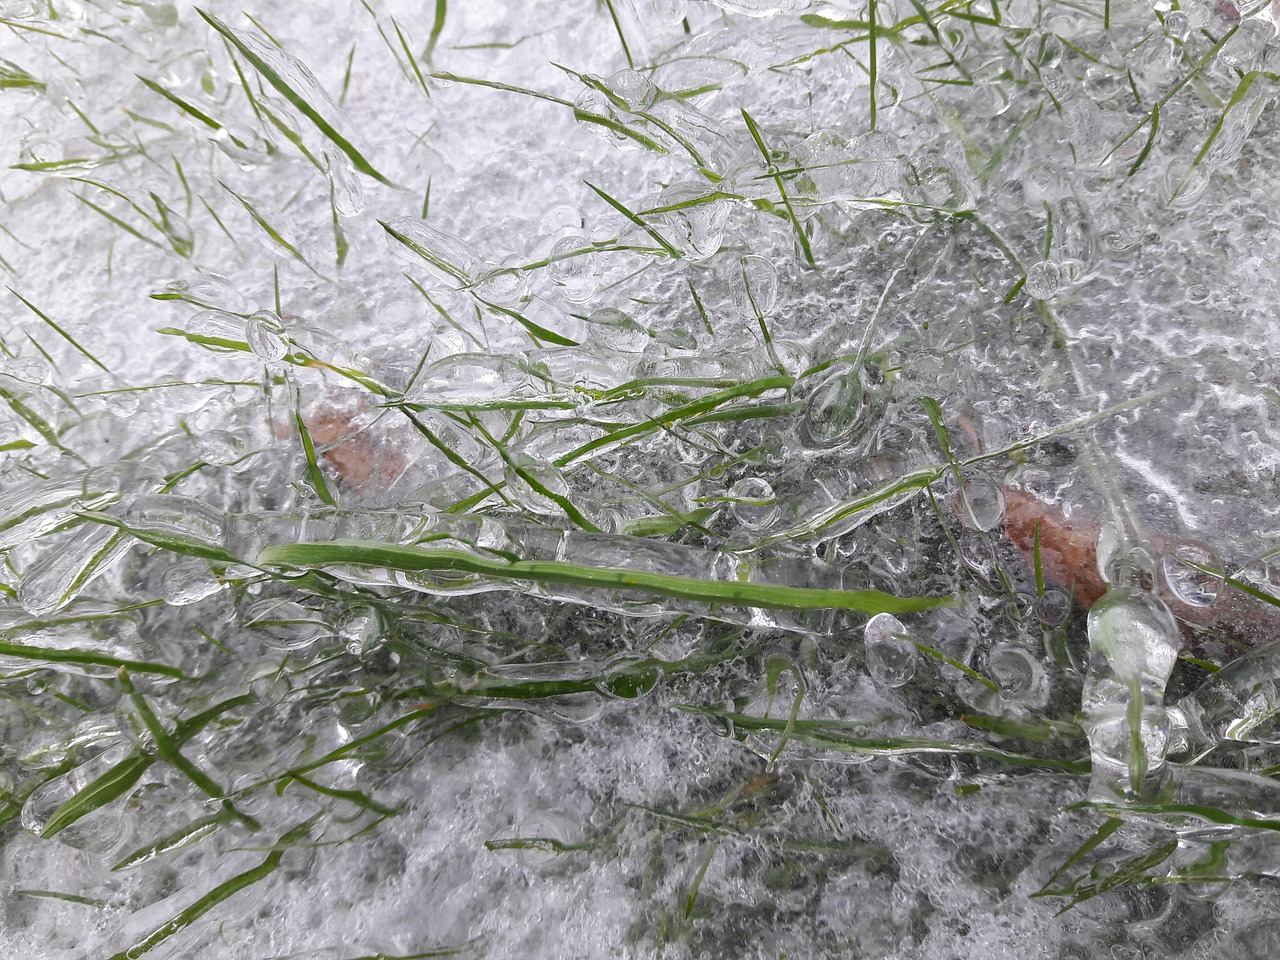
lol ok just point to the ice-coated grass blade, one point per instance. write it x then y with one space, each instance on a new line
181 104
846 737
1241 91
22 651
622 209
114 783
314 474
776 175
217 895
1109 826
122 777
412 559
184 836
296 99
59 331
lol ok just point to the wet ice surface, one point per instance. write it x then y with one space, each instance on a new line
705 353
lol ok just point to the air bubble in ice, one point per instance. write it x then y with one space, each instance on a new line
361 628
265 334
1053 607
762 8
833 410
1192 571
122 403
573 268
1043 279
754 283
753 503
890 651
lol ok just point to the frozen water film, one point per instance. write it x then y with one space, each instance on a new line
639 478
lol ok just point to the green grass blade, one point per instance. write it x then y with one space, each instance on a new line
314 474
24 651
1110 826
416 559
413 63
873 31
307 110
115 782
223 891
758 137
437 28
184 836
622 209
58 330
617 26
1151 139
181 104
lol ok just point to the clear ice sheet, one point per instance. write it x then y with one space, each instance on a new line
320 273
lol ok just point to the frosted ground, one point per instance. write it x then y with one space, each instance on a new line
529 479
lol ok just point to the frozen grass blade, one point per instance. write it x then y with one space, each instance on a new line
622 209
873 31
276 237
22 651
300 104
184 836
408 54
1242 89
1109 826
181 104
314 474
217 895
774 173
413 559
59 331
617 25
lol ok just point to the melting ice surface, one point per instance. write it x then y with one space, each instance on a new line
578 479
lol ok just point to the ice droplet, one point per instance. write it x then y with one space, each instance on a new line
265 334
348 192
1192 571
633 88
981 502
573 268
696 225
1133 644
753 503
833 409
1043 279
755 287
890 651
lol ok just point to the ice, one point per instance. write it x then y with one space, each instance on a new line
783 478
